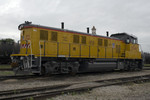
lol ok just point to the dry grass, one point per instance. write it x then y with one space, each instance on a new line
146 65
6 73
116 92
4 66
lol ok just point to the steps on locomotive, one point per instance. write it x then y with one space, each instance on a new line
35 69
36 72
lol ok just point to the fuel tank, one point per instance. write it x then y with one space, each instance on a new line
97 66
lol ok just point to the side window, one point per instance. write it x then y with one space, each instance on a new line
132 41
136 41
54 36
43 35
128 41
23 32
83 39
105 43
22 35
100 42
75 39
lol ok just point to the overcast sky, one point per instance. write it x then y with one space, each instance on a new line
131 16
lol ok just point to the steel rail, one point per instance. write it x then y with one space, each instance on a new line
54 90
2 78
6 69
17 77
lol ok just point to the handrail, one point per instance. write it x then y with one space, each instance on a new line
40 52
142 53
31 51
27 48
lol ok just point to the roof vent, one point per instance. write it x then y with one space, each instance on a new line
107 33
62 25
87 29
94 30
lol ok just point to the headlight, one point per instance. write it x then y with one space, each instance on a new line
11 58
21 58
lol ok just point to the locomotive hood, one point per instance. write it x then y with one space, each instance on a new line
28 24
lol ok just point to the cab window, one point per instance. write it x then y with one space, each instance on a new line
128 41
136 41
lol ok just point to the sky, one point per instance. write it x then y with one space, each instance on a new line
115 16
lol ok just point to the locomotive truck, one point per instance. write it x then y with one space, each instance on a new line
49 50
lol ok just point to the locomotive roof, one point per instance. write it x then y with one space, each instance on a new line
29 25
124 34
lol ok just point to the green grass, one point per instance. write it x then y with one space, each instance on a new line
146 65
4 66
6 73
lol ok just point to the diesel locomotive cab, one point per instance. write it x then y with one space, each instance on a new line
126 38
131 45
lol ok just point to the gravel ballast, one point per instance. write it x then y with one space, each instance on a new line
121 92
13 84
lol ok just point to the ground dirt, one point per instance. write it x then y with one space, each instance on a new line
123 92
64 79
129 91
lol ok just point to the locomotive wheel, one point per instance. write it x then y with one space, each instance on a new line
140 66
43 72
50 68
72 72
74 68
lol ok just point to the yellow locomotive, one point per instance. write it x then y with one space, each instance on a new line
48 50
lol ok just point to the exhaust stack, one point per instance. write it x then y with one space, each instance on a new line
87 29
62 25
107 33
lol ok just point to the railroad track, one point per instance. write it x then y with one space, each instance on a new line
50 91
9 69
17 77
146 68
2 78
6 69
